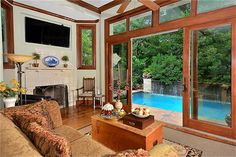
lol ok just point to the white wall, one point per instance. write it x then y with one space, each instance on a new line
21 47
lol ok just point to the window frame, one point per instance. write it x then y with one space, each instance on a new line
117 21
161 22
80 27
138 14
10 36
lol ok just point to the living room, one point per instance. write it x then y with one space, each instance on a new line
104 61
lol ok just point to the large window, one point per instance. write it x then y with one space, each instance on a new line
209 5
141 21
175 11
86 46
118 27
7 33
211 74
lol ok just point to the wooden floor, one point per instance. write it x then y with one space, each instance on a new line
78 117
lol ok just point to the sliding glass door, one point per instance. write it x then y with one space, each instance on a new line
120 74
208 78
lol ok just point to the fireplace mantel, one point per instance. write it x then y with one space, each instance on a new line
60 69
51 76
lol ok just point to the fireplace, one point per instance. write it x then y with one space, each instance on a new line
58 93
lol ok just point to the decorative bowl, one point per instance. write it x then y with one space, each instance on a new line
51 61
140 116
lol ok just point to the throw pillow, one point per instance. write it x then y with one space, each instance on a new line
163 150
22 120
48 144
40 109
131 153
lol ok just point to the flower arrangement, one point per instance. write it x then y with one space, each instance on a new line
7 91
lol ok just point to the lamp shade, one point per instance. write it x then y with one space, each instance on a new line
19 58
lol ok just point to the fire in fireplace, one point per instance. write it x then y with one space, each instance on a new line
58 93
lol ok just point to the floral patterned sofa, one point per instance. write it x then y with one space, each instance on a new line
36 130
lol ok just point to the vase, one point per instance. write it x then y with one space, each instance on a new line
9 102
118 105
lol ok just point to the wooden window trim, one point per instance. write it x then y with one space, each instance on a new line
222 15
199 124
79 46
139 13
9 30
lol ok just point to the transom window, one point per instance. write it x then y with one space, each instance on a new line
118 27
207 5
141 21
175 11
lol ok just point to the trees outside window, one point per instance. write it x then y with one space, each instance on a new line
86 46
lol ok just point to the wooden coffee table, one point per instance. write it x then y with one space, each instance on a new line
118 136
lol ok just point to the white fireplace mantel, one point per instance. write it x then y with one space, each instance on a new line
51 76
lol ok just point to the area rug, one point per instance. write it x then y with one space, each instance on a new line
182 150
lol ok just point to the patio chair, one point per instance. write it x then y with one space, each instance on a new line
88 90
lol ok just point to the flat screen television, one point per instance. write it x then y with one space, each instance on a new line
41 32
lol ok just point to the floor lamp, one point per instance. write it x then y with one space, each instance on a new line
19 60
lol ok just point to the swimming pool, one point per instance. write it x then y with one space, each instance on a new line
207 109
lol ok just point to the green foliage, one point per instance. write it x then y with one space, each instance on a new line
214 55
65 58
119 27
36 56
141 22
166 68
87 51
146 49
162 56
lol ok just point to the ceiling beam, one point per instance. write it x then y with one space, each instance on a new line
85 5
87 21
110 5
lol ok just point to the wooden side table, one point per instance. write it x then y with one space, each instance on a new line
118 136
98 97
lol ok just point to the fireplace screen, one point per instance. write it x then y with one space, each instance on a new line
58 93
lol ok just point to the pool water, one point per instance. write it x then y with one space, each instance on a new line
207 109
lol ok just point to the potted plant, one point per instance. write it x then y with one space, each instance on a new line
36 57
228 119
9 92
65 59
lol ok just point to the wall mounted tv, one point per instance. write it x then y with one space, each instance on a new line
41 32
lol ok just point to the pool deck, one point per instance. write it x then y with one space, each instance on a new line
166 116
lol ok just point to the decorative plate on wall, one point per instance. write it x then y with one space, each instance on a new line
51 61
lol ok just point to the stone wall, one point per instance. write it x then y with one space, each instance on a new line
216 92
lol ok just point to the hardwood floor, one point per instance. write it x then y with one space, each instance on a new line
78 116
